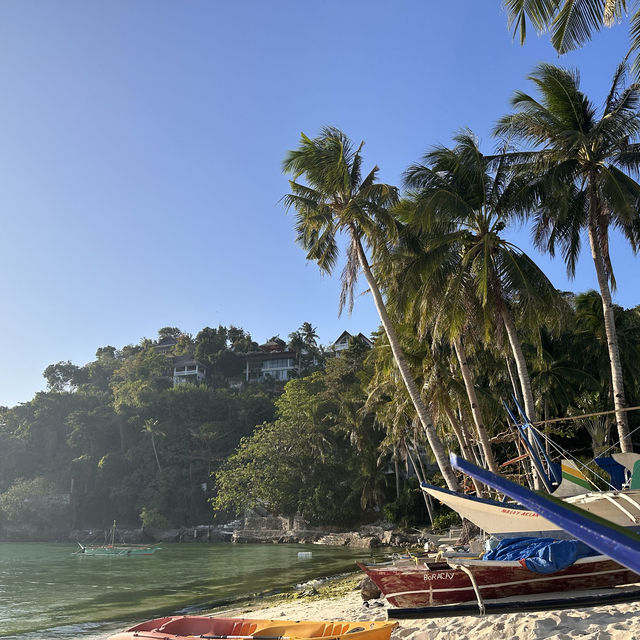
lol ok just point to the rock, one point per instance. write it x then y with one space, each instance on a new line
368 542
368 589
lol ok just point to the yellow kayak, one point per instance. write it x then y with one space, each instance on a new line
181 627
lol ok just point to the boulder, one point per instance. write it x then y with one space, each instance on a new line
368 589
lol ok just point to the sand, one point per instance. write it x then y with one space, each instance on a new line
341 600
619 622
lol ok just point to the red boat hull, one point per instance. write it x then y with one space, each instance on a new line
441 583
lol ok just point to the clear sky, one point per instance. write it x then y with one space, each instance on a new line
141 144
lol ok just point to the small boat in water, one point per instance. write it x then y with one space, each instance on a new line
113 549
179 627
118 550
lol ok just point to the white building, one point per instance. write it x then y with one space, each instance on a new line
187 369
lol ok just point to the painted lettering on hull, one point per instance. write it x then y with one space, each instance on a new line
517 512
441 575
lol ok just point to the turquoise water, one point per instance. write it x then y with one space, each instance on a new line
47 592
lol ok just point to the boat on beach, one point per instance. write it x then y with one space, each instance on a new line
621 563
466 580
180 627
618 504
502 519
619 543
526 566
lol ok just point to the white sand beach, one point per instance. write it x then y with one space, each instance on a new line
613 622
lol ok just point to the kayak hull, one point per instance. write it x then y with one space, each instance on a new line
178 627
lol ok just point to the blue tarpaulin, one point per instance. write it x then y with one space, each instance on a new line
541 555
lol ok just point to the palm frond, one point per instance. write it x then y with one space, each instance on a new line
539 12
576 21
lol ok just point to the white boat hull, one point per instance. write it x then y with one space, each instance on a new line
505 519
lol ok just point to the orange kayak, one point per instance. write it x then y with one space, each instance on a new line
180 627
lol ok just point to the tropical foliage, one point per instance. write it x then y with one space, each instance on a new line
468 321
573 23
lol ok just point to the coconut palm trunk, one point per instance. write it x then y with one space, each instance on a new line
583 174
465 447
619 400
434 441
523 376
396 469
421 478
521 363
517 391
467 377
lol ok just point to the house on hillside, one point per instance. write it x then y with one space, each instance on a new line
272 362
345 340
187 369
166 345
183 368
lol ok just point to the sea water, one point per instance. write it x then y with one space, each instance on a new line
48 592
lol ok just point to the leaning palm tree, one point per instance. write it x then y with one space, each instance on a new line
580 165
572 23
337 199
415 280
463 202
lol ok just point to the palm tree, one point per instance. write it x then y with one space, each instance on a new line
336 198
579 164
573 23
150 427
463 201
414 280
590 341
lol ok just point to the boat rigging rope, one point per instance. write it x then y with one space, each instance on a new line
474 584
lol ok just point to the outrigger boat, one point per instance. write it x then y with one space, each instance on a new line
619 543
117 550
180 627
619 546
620 504
112 549
464 580
502 519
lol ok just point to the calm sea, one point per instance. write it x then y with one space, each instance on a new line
48 592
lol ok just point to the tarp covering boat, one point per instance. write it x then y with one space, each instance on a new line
541 555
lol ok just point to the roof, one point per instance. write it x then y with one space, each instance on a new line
182 361
272 345
268 355
346 334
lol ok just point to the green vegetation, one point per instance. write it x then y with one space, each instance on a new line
467 320
115 438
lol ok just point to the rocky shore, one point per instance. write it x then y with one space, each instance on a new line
251 529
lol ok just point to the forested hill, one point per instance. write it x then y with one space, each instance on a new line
180 431
119 438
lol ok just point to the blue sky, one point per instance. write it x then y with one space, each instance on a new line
141 144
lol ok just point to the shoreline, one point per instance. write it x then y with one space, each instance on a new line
340 599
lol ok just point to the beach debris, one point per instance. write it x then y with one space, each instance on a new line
368 589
